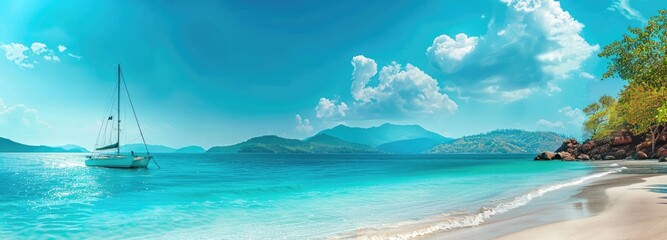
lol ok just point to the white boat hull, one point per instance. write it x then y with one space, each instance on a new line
118 161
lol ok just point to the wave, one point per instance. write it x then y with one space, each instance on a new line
445 222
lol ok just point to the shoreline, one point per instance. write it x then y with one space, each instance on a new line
596 210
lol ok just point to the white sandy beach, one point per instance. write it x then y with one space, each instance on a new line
636 211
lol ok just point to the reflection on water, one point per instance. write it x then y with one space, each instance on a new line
253 196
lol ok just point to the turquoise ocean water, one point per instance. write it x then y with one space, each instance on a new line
269 196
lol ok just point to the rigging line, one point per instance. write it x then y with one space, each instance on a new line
137 120
134 112
104 119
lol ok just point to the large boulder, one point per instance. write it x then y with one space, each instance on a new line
583 157
641 155
587 146
546 155
620 154
565 156
622 140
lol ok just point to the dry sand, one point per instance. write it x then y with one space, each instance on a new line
635 211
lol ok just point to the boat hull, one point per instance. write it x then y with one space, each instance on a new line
118 161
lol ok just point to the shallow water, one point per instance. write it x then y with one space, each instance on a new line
261 196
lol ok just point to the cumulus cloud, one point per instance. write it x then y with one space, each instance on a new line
448 52
537 43
400 90
330 108
19 116
574 116
550 124
303 125
15 52
586 75
623 7
19 54
568 117
38 48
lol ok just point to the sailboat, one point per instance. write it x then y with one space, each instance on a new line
109 155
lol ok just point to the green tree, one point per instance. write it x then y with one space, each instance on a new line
641 55
639 106
598 114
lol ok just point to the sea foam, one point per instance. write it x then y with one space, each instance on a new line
445 222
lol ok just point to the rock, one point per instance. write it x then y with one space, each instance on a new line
609 157
565 156
620 154
587 146
641 155
546 155
622 140
596 157
662 159
583 157
644 147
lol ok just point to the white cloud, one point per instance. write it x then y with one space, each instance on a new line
574 116
330 108
38 48
586 75
74 56
303 125
61 48
16 52
447 52
19 116
550 124
538 42
402 91
52 58
623 7
552 88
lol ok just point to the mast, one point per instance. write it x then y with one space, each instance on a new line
118 116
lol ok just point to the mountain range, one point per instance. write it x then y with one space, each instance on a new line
503 141
386 138
322 143
7 145
139 148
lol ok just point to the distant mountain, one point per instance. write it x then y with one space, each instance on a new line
410 146
73 148
503 141
139 148
190 149
274 144
7 145
386 133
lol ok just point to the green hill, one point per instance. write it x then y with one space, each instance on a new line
190 149
385 133
274 144
7 145
410 146
503 141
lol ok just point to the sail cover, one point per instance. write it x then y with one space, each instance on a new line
112 146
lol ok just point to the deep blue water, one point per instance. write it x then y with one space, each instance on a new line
259 196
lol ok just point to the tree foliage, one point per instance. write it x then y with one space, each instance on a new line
641 55
598 115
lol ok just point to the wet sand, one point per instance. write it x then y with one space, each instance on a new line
617 206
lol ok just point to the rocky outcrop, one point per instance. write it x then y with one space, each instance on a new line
623 145
641 155
545 156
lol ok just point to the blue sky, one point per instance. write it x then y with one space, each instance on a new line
218 72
